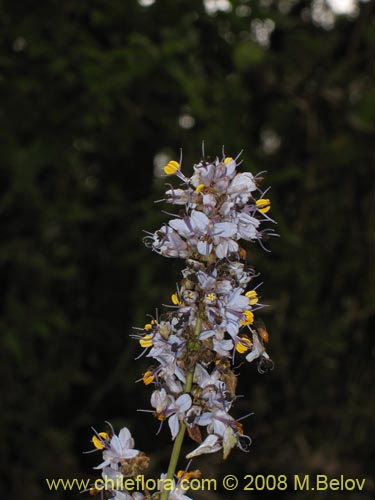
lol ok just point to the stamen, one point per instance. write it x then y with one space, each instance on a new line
243 345
252 296
148 377
171 167
175 299
263 204
99 440
248 318
146 341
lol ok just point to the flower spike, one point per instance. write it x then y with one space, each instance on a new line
210 328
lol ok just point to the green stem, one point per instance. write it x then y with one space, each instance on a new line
181 433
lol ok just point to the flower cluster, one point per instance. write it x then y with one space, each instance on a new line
212 313
210 325
122 462
219 211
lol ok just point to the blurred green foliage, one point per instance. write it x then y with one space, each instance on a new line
91 93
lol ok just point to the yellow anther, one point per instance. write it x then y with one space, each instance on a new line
146 341
211 297
248 318
97 442
193 474
175 299
148 377
171 167
227 160
160 416
252 296
264 205
148 326
199 188
243 345
186 475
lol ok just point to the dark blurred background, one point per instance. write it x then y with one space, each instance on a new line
95 97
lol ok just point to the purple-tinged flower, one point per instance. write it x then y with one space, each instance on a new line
118 449
167 407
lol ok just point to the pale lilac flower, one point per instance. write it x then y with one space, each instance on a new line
259 352
232 310
167 407
168 363
179 196
241 186
118 449
223 347
182 405
223 434
203 378
169 243
247 227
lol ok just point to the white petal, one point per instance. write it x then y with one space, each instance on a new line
230 167
159 400
176 241
180 374
225 229
204 247
232 246
183 402
199 220
201 375
232 328
243 182
247 227
219 427
226 207
205 419
180 226
130 453
222 184
103 464
126 438
222 249
222 346
237 302
209 200
248 219
116 445
173 425
177 196
209 445
206 335
257 350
